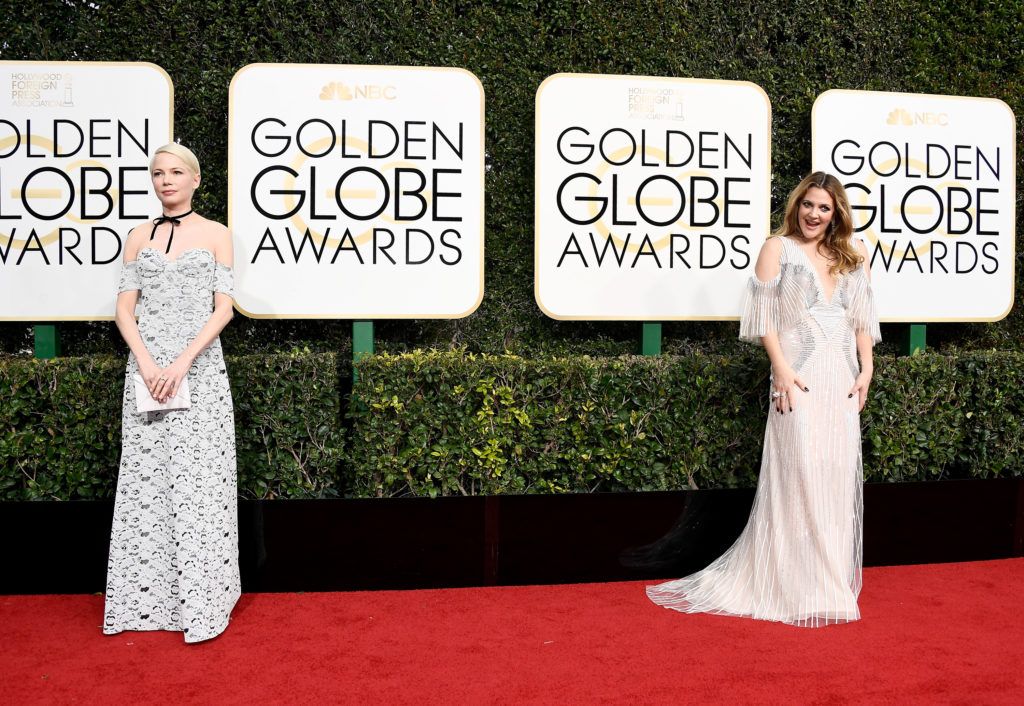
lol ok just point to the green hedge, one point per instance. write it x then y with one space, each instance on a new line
452 423
447 423
794 49
60 426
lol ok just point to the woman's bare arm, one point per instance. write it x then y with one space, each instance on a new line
223 312
784 378
865 345
124 317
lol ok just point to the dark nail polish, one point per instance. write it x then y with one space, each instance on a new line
807 389
850 395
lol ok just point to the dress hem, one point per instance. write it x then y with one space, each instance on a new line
189 639
806 620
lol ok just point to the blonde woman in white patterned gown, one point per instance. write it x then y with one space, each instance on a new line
799 559
173 561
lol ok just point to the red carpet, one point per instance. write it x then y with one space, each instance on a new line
947 633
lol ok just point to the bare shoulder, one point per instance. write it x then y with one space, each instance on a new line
215 234
862 249
218 237
772 247
768 260
211 228
137 238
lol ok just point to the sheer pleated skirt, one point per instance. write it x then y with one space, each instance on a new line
799 558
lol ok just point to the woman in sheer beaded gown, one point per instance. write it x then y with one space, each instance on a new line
173 562
810 304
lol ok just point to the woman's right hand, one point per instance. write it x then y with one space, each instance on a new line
784 383
150 373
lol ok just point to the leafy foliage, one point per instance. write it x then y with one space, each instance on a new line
452 423
60 428
994 421
446 423
794 49
442 423
914 425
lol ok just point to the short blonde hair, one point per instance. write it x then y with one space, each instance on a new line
181 152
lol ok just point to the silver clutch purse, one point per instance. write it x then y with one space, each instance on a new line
144 401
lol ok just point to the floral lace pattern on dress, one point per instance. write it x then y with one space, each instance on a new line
173 562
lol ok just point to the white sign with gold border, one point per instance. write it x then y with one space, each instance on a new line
652 196
356 191
75 143
931 181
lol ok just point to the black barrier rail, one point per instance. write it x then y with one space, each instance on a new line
365 544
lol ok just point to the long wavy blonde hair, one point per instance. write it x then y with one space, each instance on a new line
836 244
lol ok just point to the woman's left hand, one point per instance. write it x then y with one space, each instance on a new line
860 388
170 379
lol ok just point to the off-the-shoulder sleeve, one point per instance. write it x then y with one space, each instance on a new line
776 305
861 307
129 277
224 280
760 309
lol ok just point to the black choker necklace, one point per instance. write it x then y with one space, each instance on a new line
174 221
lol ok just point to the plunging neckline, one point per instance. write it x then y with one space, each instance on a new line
827 300
182 254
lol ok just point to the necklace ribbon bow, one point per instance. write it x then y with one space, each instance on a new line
174 221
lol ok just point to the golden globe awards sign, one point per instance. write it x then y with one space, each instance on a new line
931 181
356 191
652 196
75 143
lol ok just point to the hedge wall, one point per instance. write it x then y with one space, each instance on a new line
446 423
449 423
794 49
503 423
60 426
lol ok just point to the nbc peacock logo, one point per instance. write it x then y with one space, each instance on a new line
336 90
901 116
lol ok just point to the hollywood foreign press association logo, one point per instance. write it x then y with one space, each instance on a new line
41 89
655 103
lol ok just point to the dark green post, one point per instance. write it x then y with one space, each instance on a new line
362 343
650 339
915 339
47 341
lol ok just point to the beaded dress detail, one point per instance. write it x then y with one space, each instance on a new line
173 561
799 558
